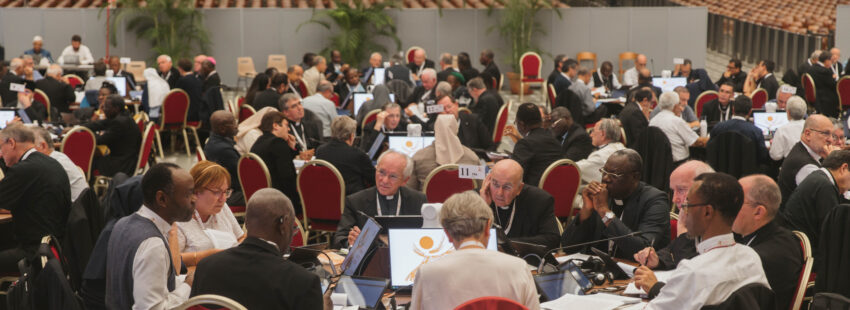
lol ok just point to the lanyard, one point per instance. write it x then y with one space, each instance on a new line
728 109
378 204
511 221
300 137
471 244
751 239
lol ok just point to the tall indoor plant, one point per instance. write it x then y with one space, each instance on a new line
173 27
518 26
358 28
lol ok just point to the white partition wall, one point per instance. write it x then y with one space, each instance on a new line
663 33
842 31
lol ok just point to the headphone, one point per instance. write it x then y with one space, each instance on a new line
596 271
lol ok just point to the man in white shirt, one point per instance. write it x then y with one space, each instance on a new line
606 138
789 134
474 271
44 144
722 266
313 76
140 271
320 103
580 88
82 52
630 77
678 132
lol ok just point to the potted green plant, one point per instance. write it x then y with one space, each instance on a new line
358 28
173 27
518 25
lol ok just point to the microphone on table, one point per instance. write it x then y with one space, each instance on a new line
578 245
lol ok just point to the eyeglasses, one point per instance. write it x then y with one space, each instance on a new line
294 224
507 187
826 133
392 176
613 175
226 192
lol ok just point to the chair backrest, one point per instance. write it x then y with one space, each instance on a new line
587 57
627 60
246 111
410 52
210 301
501 122
843 88
322 191
491 302
805 273
141 119
655 150
674 225
40 96
299 235
550 90
199 153
245 66
253 174
137 68
74 80
530 65
79 144
808 88
371 116
145 150
702 99
443 182
175 108
829 301
759 98
561 180
732 153
750 296
501 81
277 61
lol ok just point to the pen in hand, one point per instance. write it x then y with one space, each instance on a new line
651 249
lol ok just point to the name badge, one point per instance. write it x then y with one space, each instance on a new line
434 109
471 172
17 87
788 89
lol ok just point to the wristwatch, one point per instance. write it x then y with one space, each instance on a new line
608 217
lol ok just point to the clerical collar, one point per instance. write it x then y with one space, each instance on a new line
390 197
738 117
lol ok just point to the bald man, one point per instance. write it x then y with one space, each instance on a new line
806 156
630 77
419 63
255 273
221 149
525 213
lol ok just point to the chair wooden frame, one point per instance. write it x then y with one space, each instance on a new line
183 127
505 108
501 81
698 105
367 116
551 96
407 57
149 130
74 76
623 138
245 69
841 103
94 146
437 170
46 102
810 101
302 231
211 299
338 175
199 153
239 113
265 168
806 272
522 72
137 68
587 56
756 92
625 56
551 168
278 61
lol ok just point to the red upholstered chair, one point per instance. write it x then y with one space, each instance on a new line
141 119
40 96
253 174
530 66
210 301
702 99
174 109
246 111
199 153
805 273
79 144
409 54
299 237
561 180
74 80
322 192
674 221
843 89
371 116
501 122
145 151
759 98
552 94
443 182
491 302
808 87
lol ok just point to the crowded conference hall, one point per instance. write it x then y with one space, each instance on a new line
627 154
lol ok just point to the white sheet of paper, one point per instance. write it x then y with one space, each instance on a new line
471 172
578 256
661 276
124 60
581 302
678 61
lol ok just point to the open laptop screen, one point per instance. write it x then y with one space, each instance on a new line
411 248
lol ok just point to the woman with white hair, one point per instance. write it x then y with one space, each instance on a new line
446 149
677 130
474 271
156 90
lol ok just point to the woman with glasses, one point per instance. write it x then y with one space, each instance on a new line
213 227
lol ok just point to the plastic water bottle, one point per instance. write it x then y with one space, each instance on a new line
703 128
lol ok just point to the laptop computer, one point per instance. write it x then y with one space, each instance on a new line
399 221
378 76
668 84
363 292
568 280
351 264
71 59
768 122
610 264
409 145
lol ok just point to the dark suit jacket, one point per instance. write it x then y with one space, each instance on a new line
443 75
781 258
418 92
552 76
796 159
312 129
737 79
121 134
10 97
221 150
634 123
194 88
561 84
277 156
364 201
535 152
711 112
61 95
171 77
809 204
369 134
211 81
354 165
645 210
487 108
473 134
826 97
535 218
680 248
770 85
266 98
577 145
37 192
415 69
491 73
470 73
748 130
256 275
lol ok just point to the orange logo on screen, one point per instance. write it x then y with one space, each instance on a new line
408 143
428 250
770 118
